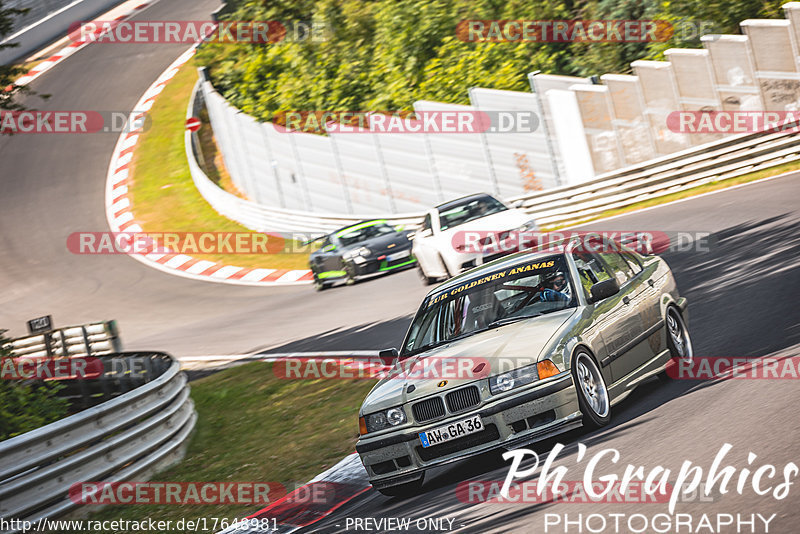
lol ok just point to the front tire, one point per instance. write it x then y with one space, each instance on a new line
403 491
593 398
678 341
350 274
427 280
319 285
444 267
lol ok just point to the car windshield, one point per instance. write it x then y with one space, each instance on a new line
495 298
470 209
362 232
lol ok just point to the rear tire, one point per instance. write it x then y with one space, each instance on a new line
403 491
593 398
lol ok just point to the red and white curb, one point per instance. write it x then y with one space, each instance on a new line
311 502
119 210
73 47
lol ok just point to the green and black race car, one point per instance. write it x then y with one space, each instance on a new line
361 249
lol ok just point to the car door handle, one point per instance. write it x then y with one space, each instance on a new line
626 300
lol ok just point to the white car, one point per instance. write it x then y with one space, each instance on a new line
447 242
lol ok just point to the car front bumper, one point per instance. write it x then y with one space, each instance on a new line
532 414
374 266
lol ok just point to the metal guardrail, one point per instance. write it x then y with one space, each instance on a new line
126 438
718 160
94 339
662 176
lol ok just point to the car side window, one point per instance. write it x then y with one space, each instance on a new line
426 224
634 261
591 270
619 266
328 245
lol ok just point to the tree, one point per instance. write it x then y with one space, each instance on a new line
25 406
9 91
382 55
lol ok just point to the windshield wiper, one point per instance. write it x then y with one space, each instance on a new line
508 320
414 352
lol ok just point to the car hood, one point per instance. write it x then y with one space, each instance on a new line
510 219
500 349
384 244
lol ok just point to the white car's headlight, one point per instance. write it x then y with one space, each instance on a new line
513 379
529 226
385 419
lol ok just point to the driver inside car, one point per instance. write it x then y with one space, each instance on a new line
555 288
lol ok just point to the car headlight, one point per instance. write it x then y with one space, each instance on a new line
529 226
513 379
353 254
522 376
383 419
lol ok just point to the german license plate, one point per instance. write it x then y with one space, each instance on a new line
452 431
398 255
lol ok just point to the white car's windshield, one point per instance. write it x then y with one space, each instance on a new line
469 210
495 298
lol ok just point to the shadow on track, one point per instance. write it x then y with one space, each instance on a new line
367 336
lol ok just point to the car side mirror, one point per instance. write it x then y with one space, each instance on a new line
603 290
388 356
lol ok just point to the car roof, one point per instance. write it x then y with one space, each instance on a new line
506 262
461 200
349 226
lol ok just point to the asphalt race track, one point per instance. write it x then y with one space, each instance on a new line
741 304
53 185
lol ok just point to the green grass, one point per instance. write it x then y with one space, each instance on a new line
163 195
254 427
694 191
